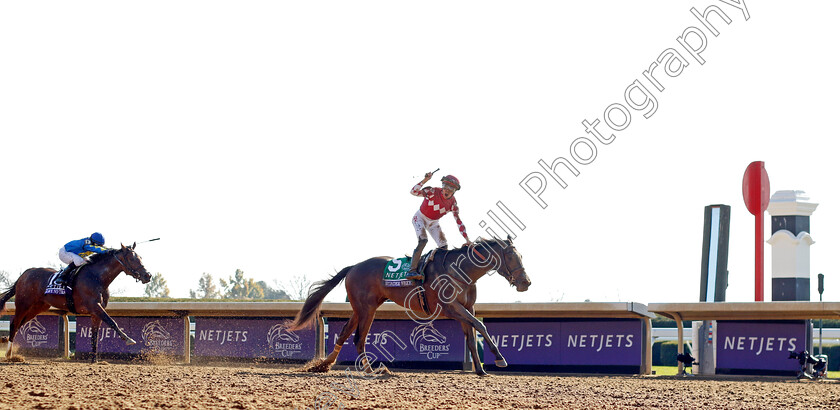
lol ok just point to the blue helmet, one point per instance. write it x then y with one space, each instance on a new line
97 239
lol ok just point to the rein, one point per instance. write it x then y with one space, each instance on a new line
509 275
125 268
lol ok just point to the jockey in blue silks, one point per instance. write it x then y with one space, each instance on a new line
75 253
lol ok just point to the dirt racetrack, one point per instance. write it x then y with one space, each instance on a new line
62 384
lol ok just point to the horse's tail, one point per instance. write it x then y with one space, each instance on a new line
8 294
312 305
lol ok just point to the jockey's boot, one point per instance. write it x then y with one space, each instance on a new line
413 274
62 277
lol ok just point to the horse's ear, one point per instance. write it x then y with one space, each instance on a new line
122 246
134 245
510 240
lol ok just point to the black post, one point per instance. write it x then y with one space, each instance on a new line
820 289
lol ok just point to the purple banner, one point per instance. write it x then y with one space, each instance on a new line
42 332
759 345
602 343
590 343
524 342
252 338
404 341
164 335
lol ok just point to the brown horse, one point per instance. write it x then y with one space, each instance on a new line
90 292
449 288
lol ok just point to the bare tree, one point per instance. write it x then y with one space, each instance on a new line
297 287
5 282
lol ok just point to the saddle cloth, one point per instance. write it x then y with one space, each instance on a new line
65 290
396 270
53 288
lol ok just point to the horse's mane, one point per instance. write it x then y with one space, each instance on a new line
480 240
96 257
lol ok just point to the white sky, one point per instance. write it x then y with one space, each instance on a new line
282 138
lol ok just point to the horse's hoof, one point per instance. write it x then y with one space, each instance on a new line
382 370
483 374
317 367
129 341
501 362
15 359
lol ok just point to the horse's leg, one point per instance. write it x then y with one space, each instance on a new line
458 312
348 328
14 325
98 311
325 364
25 314
469 332
94 337
365 321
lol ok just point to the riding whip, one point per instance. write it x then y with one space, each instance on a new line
433 172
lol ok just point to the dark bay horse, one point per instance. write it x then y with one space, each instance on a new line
90 292
449 287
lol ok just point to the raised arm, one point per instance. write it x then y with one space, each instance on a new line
417 190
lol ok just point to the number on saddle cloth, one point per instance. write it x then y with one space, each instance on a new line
396 270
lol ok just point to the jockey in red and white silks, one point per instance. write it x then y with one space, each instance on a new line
437 202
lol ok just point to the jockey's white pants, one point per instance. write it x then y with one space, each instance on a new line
422 223
70 257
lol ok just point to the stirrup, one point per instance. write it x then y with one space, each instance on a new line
415 276
65 275
61 278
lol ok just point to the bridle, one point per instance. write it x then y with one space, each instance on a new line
130 271
511 274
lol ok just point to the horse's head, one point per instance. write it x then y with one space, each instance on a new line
511 266
132 264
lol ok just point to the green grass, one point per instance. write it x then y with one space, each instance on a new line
672 371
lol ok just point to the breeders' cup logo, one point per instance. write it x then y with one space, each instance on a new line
156 336
34 333
283 342
429 341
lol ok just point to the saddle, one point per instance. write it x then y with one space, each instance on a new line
66 289
54 288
